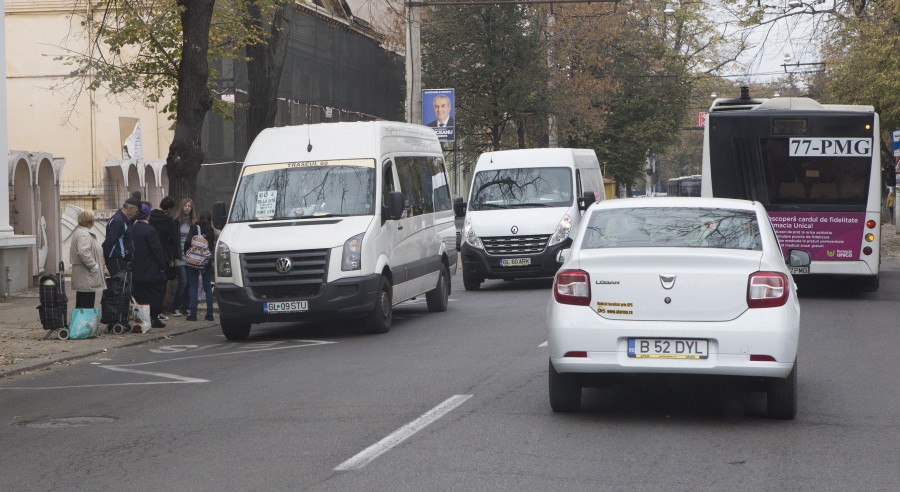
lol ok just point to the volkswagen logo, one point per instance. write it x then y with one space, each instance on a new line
515 229
283 265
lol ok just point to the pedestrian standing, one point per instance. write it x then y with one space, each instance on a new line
183 221
170 240
149 266
202 276
890 202
86 257
118 246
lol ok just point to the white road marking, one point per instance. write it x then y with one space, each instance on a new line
177 378
170 349
369 454
543 344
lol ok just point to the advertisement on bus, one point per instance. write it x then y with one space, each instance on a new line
827 236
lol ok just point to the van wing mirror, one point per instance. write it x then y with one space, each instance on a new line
220 214
459 207
586 200
798 258
395 205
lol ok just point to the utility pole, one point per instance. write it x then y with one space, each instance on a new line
552 131
413 64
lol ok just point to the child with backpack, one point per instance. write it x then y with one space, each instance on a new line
198 252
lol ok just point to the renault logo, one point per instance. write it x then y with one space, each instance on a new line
283 265
668 281
515 229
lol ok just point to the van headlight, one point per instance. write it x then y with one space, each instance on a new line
223 260
469 233
562 231
352 256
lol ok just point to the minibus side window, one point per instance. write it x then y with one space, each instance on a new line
387 186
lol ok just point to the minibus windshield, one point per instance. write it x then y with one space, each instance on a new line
299 190
522 188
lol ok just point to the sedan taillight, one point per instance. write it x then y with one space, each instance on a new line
767 289
572 287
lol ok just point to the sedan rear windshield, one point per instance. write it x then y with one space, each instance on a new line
672 227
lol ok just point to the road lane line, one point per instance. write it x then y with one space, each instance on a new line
367 455
180 379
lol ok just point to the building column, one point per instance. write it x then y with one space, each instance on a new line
13 248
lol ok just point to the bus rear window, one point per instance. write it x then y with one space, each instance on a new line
806 179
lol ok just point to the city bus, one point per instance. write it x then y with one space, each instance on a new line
815 167
684 186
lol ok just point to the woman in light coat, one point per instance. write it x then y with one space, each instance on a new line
86 257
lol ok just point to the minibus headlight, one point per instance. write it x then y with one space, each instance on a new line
351 259
469 233
562 231
223 260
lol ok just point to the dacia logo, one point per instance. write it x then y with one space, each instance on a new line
830 253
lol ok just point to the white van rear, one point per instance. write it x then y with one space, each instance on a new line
336 220
522 206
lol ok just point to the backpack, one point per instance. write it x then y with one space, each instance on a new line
198 255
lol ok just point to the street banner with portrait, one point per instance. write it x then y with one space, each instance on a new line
439 112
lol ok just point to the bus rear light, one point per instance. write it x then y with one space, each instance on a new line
761 358
870 237
572 287
870 224
580 354
767 289
867 250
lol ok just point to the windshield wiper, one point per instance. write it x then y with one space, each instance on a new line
525 205
491 205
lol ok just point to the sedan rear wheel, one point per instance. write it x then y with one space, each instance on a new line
565 391
781 397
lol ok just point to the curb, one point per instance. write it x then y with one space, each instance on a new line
7 371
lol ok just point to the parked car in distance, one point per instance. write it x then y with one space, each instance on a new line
674 286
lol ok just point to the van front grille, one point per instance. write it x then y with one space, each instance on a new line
515 245
307 273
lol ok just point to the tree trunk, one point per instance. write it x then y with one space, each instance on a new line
193 99
520 132
264 66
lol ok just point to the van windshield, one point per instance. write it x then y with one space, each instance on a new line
294 190
522 188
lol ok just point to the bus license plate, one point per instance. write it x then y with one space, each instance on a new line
799 270
667 348
285 307
514 262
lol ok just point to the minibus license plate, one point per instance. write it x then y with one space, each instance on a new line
667 348
285 307
514 262
799 270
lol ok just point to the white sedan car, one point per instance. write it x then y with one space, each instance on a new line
675 286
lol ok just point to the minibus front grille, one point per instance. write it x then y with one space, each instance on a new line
308 271
515 245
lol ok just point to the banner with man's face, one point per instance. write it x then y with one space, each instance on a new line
439 113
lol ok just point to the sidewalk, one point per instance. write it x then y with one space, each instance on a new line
23 348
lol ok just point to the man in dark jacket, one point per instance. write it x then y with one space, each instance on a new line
149 266
169 236
118 247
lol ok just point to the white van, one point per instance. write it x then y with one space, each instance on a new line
336 220
522 206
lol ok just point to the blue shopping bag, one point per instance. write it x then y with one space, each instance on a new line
85 323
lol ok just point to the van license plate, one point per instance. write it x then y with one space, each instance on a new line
514 262
799 270
285 307
667 348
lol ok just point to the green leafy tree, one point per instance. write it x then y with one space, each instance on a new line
493 57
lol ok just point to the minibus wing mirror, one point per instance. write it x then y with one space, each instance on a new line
459 207
395 205
220 214
798 258
586 200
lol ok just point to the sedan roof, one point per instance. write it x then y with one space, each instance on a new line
684 202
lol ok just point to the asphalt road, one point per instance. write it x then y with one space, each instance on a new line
461 397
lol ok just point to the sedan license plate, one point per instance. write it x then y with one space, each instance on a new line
667 348
514 262
285 307
799 270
